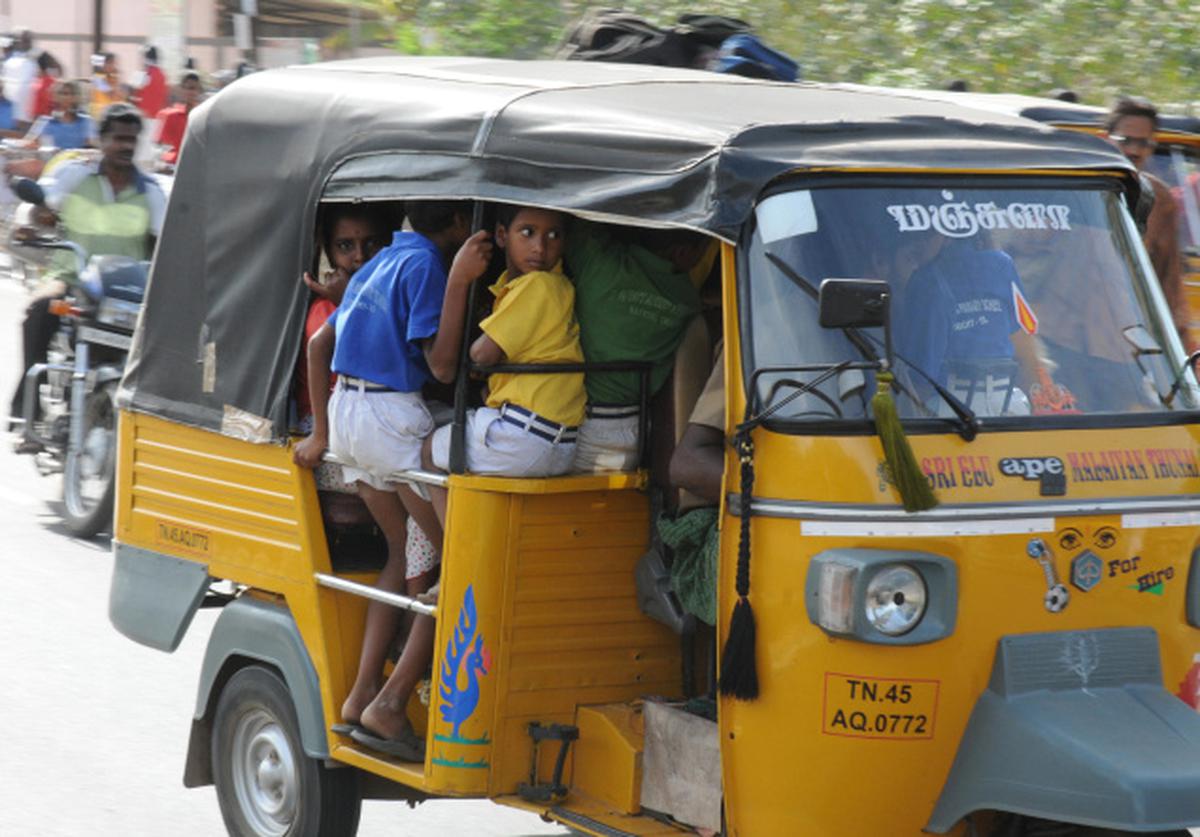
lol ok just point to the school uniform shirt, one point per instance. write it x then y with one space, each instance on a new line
392 304
533 321
631 305
172 123
57 132
961 306
152 96
43 96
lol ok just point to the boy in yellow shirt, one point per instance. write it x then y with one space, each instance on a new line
529 424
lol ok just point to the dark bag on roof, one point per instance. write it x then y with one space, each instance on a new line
709 30
613 35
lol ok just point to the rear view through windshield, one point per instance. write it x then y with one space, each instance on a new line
1021 302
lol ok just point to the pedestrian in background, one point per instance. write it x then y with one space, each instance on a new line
106 83
172 121
1131 125
49 71
20 69
152 93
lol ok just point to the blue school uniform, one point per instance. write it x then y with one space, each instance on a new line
66 135
391 305
6 115
960 308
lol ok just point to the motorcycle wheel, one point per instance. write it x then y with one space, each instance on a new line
89 474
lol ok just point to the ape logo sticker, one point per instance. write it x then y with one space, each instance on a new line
1032 468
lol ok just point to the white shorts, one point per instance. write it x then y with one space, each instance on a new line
606 443
496 447
377 434
419 555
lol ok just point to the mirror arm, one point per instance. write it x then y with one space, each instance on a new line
1190 363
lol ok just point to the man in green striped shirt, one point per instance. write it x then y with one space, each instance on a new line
108 207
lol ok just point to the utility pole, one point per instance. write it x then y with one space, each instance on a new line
98 26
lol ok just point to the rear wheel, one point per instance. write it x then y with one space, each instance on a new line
89 474
266 785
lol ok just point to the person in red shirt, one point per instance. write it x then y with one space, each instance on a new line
152 95
172 121
350 235
49 71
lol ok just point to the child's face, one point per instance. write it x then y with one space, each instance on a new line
533 241
353 243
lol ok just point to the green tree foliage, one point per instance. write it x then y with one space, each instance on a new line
1096 47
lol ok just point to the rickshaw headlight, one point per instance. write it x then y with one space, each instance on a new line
882 596
895 600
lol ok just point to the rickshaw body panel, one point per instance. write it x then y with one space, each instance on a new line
548 565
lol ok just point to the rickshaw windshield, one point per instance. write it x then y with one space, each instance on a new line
1025 302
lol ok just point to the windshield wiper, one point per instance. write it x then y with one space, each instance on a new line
967 424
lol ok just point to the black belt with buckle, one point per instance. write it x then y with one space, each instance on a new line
539 426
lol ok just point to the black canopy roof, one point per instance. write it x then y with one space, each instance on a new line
223 319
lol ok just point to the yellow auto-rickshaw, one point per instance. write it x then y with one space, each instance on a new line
957 584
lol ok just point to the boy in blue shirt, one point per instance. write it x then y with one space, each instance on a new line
399 325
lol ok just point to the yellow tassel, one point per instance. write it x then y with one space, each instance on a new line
915 492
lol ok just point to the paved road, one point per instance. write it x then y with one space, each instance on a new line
96 724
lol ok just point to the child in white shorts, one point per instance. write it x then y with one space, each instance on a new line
385 341
530 422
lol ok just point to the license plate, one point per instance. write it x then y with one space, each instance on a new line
861 706
105 338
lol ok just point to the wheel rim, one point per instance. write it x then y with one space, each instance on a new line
265 773
91 469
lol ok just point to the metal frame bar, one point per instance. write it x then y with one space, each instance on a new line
375 594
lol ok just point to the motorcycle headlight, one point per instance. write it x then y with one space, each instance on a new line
118 312
895 600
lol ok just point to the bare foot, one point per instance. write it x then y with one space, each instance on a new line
356 702
386 717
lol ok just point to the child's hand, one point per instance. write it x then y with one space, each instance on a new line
334 286
307 454
472 259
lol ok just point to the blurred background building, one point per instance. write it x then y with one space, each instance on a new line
216 34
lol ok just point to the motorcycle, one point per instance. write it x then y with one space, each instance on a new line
69 421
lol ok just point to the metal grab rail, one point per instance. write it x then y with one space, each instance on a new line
424 477
375 594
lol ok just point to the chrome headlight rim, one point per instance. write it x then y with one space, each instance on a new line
896 599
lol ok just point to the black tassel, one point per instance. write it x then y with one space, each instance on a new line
739 671
739 674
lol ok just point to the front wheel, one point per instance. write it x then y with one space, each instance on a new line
89 474
266 786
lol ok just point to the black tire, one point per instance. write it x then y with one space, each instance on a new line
266 786
89 475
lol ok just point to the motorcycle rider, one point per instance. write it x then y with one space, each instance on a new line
108 207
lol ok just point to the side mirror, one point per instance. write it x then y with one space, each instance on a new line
853 303
29 191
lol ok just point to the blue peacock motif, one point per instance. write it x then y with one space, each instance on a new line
465 655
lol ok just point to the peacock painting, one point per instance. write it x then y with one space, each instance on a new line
467 659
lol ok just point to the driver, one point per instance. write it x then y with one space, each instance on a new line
108 207
964 319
